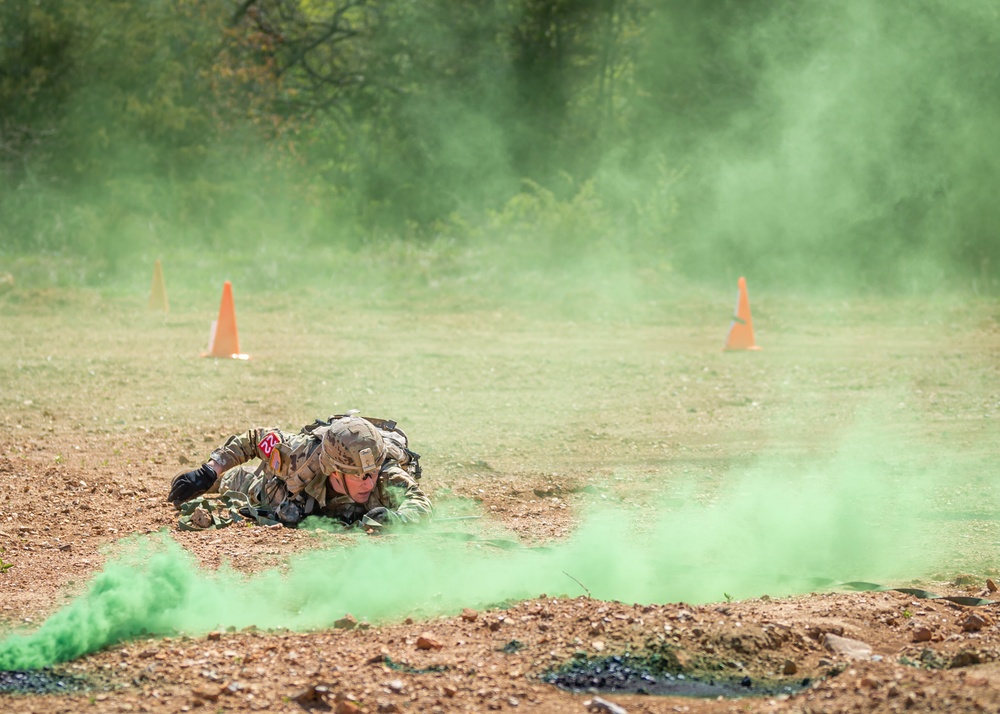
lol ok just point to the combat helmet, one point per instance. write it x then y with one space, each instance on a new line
352 445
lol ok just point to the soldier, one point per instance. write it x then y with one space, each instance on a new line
350 468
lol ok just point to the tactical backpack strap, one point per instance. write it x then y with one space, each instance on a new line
384 424
310 428
387 424
414 465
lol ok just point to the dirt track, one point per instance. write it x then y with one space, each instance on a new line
528 420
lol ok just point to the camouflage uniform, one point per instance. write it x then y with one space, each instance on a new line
289 478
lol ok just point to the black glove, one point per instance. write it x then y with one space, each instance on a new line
289 513
189 484
381 516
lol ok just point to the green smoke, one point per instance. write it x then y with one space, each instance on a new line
771 530
842 143
799 141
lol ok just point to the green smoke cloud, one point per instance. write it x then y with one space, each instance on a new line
772 530
843 143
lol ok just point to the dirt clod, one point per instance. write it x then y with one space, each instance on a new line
427 642
847 647
922 634
208 693
347 622
974 622
603 705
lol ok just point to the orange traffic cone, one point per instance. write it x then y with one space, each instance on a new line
223 340
158 293
741 331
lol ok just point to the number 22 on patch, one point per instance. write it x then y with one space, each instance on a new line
268 443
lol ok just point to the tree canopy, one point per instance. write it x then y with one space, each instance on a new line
774 134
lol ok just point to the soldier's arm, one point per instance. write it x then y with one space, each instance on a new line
405 497
254 444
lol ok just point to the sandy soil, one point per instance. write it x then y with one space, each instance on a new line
524 418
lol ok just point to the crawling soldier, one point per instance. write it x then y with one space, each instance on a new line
349 468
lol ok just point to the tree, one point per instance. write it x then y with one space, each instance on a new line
320 52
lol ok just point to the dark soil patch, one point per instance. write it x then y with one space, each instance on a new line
630 674
39 681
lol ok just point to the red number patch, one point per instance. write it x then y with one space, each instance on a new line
268 443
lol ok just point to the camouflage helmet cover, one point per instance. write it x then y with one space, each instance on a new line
351 445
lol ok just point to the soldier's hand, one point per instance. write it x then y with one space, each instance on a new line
189 484
289 512
382 517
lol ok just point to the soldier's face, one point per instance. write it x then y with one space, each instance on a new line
357 487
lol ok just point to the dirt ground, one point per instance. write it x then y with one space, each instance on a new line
523 416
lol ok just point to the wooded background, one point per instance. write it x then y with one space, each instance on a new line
800 140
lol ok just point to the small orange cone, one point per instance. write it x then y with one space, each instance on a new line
158 293
223 340
741 331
